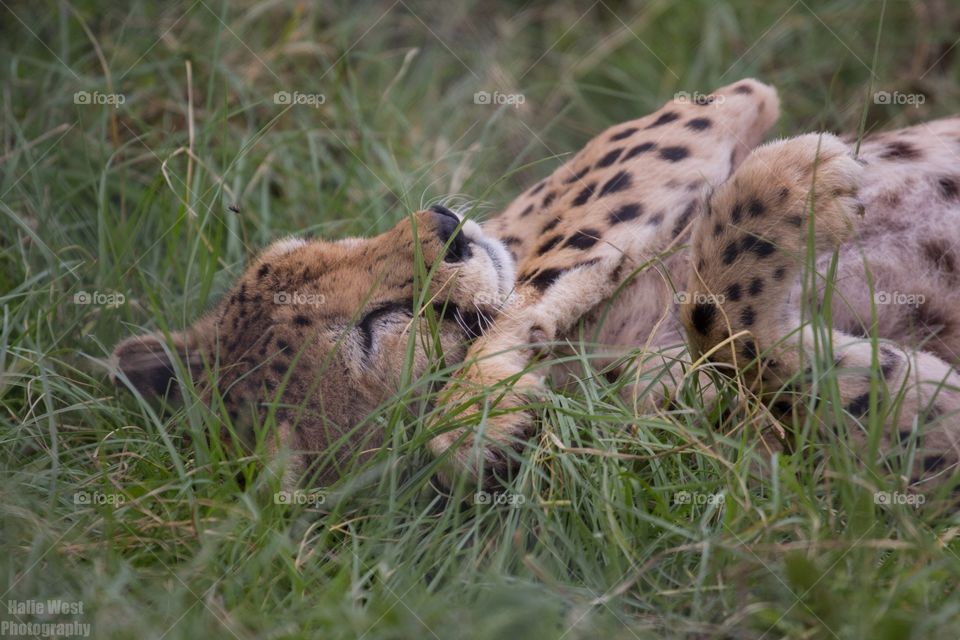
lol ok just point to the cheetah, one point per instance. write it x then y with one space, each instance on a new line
675 232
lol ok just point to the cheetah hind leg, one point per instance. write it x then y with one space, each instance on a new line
750 249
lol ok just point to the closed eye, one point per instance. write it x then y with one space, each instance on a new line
370 318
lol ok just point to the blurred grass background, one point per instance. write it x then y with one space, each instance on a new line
162 199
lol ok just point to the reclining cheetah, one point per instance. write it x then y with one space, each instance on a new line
604 244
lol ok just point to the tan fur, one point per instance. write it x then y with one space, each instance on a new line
784 183
289 338
596 241
647 264
630 242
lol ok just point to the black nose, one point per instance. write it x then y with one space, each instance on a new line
458 247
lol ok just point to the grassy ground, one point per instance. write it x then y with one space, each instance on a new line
617 526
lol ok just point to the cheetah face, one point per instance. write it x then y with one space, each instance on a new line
320 332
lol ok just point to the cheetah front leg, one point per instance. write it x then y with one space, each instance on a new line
748 252
495 385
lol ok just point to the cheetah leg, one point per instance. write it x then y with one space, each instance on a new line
496 380
749 251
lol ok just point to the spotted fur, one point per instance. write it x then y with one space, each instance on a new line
671 228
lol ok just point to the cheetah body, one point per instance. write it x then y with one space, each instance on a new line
674 229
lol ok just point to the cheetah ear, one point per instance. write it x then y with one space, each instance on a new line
146 360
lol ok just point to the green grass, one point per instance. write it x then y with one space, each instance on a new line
136 200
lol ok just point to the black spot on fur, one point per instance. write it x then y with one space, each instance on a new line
717 230
527 211
779 273
511 240
279 366
538 188
731 253
545 278
744 89
736 213
626 133
577 176
702 317
685 217
747 316
756 208
637 150
756 287
782 407
550 225
749 349
784 192
583 239
585 194
549 244
698 124
900 150
734 292
665 118
760 247
930 319
655 219
674 154
859 406
263 271
941 254
548 199
618 182
796 221
948 187
301 320
626 213
609 158
934 463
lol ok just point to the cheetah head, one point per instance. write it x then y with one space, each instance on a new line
319 334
